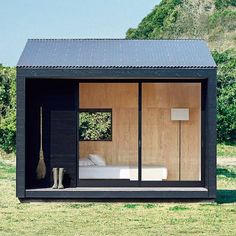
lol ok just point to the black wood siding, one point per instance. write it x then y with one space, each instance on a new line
59 129
20 137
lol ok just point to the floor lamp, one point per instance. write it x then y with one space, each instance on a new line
180 114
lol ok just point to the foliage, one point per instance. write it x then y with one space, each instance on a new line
224 3
226 18
155 22
95 126
190 19
7 108
226 94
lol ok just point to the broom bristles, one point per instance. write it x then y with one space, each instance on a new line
41 168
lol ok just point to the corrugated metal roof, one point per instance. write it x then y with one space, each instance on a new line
115 53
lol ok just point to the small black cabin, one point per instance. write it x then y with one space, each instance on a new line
124 118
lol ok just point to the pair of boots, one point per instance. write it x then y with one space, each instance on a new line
58 178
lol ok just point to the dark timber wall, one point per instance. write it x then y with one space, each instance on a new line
57 97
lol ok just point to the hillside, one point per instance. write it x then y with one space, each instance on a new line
212 20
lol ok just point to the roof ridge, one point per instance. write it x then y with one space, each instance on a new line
114 67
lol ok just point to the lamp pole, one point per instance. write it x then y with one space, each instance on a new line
180 114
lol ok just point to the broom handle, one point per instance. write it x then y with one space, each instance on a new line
41 129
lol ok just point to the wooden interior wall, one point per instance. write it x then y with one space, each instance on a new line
123 99
160 135
160 140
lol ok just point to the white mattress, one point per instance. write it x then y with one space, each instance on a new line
122 172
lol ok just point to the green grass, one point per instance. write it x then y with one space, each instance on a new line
178 208
224 150
58 218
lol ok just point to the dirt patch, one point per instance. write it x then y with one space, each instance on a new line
226 161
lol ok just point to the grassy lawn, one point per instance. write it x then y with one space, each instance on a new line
57 218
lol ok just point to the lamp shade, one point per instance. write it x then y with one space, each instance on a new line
179 113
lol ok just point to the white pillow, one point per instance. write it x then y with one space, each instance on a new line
85 162
97 160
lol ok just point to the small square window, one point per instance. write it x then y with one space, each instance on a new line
95 125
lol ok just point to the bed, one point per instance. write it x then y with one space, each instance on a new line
151 173
94 167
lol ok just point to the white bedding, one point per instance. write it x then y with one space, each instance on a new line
122 172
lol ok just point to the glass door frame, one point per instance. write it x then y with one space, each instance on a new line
139 182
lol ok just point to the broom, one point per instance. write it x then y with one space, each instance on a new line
41 168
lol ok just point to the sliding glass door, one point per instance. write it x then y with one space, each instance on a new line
139 134
171 132
108 133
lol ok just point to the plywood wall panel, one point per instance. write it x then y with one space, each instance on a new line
167 95
160 140
108 95
190 146
123 99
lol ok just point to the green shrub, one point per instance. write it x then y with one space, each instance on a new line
7 108
226 95
224 3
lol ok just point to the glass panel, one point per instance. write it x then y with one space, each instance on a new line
108 130
171 132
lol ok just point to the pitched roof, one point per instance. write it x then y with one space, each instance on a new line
115 53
